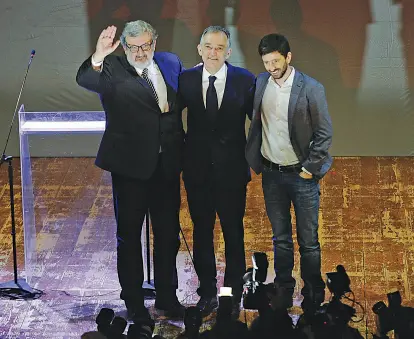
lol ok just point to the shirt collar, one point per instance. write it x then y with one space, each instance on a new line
220 75
289 80
151 68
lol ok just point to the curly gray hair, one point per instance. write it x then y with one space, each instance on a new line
136 28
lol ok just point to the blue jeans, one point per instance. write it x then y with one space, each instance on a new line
280 190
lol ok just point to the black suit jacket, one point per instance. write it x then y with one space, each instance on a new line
135 126
216 148
309 123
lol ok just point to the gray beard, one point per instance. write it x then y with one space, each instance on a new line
135 64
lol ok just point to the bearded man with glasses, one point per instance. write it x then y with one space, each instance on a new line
141 149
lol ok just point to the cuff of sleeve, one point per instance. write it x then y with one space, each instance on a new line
306 171
96 64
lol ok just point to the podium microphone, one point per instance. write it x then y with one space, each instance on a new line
3 156
32 56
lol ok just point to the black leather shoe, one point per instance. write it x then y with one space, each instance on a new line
282 297
138 314
310 305
235 311
170 309
287 301
207 305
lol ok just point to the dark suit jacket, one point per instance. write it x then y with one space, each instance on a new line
216 148
310 126
135 126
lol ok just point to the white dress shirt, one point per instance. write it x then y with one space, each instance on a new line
276 145
157 79
219 83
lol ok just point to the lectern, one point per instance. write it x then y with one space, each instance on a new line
54 241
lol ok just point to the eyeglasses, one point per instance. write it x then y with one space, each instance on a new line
145 47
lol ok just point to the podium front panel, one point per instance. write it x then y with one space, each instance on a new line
68 214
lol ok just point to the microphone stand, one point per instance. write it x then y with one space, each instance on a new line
17 288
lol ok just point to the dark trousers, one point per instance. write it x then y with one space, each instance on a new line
280 190
204 200
132 199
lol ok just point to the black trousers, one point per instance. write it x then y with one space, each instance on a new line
204 200
132 199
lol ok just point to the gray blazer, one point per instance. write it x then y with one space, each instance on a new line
310 126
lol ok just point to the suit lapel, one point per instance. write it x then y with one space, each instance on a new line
260 89
229 92
294 95
131 70
198 88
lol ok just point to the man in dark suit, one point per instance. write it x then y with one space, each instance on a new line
141 148
288 143
218 97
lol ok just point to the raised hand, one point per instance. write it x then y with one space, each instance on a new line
105 44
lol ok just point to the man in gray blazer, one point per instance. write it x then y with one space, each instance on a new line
288 143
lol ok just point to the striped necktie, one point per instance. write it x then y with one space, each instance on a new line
148 80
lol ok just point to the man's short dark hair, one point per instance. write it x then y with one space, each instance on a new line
216 29
274 43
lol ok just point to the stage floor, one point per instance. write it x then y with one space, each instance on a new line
366 224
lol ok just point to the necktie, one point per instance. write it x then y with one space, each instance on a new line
148 80
211 99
